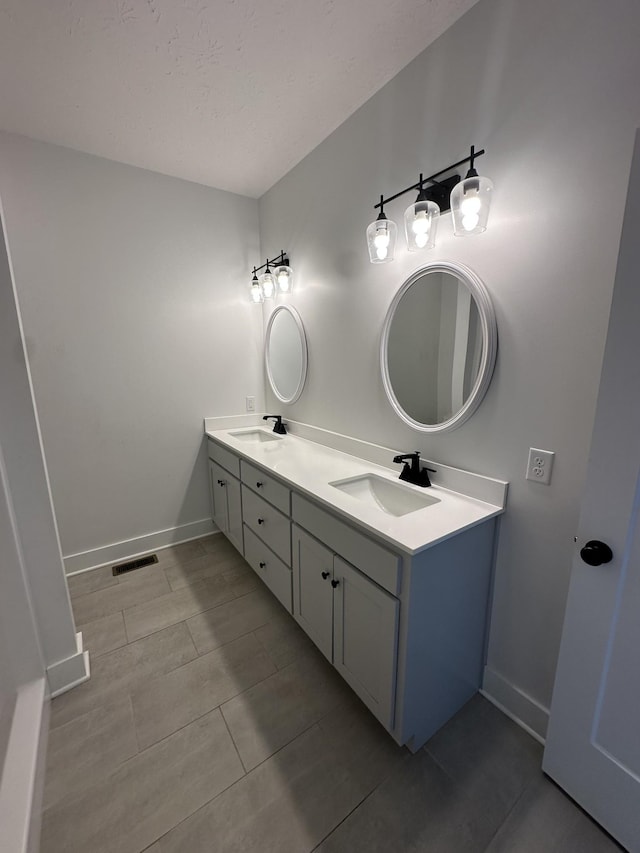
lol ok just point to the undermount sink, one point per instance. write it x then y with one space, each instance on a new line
392 498
255 435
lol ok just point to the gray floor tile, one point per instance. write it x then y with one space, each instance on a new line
545 820
88 748
173 607
271 714
124 669
241 578
283 639
204 566
231 620
104 635
489 757
183 552
167 703
286 805
91 581
147 795
417 809
215 542
141 585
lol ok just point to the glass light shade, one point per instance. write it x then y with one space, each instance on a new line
421 224
381 240
284 278
256 292
470 203
268 284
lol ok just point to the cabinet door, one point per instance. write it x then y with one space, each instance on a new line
234 513
365 639
312 590
218 480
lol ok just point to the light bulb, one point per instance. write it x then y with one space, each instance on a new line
283 281
256 293
421 239
470 204
381 240
420 224
382 252
470 221
268 285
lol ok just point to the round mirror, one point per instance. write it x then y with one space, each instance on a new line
286 354
438 347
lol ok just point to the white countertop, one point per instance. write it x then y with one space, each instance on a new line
309 468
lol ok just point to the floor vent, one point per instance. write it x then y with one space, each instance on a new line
131 565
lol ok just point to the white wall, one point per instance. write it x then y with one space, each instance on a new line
551 91
133 289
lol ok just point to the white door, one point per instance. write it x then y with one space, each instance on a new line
593 742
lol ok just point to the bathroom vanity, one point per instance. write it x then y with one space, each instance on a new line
391 581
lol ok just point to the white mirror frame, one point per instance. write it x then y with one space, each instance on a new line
489 346
303 345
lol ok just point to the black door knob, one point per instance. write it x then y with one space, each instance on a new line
261 521
262 565
596 553
325 575
334 584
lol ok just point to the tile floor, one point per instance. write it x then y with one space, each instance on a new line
212 725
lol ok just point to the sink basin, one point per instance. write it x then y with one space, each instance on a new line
255 435
392 498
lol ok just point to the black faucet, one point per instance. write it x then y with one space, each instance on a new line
278 426
414 473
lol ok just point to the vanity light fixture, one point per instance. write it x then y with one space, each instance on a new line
270 282
468 200
381 237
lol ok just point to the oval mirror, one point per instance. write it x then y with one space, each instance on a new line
286 354
438 348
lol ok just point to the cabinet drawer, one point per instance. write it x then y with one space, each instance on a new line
264 485
376 562
224 457
268 523
271 570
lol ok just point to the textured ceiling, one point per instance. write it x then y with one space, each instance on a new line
229 93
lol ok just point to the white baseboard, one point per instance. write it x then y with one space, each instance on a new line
21 777
129 548
516 704
70 672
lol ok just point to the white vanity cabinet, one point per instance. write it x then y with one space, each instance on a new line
350 618
405 628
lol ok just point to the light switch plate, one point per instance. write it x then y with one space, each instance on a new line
540 465
251 404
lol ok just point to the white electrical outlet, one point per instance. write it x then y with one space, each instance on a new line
540 465
251 404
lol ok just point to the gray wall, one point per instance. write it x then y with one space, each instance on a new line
134 294
551 91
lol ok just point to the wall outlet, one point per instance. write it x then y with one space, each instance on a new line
540 465
251 404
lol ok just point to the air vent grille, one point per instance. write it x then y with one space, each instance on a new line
132 565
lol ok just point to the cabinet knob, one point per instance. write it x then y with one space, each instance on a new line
334 584
325 575
596 553
222 482
262 565
259 485
261 521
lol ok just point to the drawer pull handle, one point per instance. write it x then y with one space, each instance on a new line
262 565
325 575
222 482
261 521
334 584
259 485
